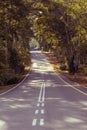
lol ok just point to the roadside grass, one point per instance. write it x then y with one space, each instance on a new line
81 78
20 77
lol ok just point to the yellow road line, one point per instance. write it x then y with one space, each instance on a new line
72 86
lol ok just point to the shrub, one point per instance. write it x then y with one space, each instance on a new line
15 61
13 80
7 76
82 69
63 67
85 70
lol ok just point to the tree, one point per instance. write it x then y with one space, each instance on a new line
64 21
15 34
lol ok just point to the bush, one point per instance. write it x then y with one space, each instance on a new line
85 70
13 80
15 61
3 55
7 76
63 67
82 69
19 68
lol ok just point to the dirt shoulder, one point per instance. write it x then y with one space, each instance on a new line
80 78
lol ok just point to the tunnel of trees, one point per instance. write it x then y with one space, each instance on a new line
58 25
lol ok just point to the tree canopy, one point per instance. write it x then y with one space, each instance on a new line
59 25
62 23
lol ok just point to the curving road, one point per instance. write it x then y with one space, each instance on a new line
44 101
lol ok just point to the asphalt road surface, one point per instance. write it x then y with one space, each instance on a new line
44 101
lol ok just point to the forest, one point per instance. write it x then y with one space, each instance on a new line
58 25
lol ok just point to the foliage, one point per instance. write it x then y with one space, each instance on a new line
15 61
63 24
15 33
58 25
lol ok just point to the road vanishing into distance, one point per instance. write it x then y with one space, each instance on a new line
45 100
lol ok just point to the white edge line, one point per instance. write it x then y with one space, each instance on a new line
17 84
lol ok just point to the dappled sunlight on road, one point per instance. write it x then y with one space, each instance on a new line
43 102
14 111
67 108
83 103
16 107
66 115
73 120
3 125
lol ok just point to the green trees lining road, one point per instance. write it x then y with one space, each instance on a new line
14 38
62 26
58 25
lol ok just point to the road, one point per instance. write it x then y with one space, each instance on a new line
44 101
